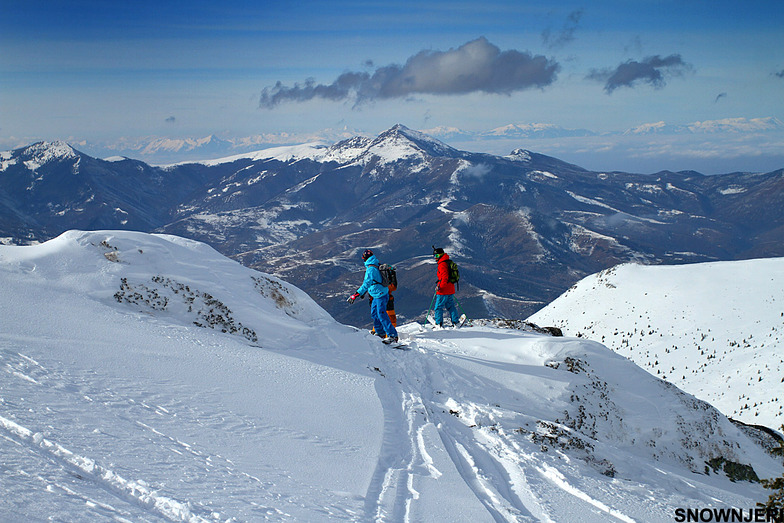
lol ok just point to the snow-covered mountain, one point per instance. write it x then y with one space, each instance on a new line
534 130
160 150
50 187
716 330
725 125
147 377
523 227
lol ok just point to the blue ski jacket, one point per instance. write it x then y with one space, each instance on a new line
372 282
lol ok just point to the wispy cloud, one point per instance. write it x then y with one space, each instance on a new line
652 70
566 34
477 66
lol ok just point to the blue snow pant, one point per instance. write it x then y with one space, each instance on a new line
446 301
381 321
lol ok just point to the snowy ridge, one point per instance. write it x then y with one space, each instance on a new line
347 151
401 143
713 329
725 125
288 153
125 355
534 130
398 143
520 155
37 155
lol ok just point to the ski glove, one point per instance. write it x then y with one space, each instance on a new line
353 297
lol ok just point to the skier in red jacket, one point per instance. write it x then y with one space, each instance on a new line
445 290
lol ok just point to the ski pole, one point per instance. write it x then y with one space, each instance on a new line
461 307
432 302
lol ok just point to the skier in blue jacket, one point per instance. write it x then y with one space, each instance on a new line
378 308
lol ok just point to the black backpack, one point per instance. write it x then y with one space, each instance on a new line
388 275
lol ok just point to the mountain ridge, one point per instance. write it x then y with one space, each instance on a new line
524 227
712 329
164 150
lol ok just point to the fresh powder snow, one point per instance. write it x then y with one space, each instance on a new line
713 329
147 378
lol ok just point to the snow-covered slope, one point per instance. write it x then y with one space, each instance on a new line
286 153
148 377
397 143
715 330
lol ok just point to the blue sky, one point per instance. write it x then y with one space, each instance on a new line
100 72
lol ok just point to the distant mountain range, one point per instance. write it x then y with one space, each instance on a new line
523 227
167 150
727 125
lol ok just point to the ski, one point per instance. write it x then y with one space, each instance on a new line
461 321
394 344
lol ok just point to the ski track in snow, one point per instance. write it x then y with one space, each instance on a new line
430 397
432 388
490 468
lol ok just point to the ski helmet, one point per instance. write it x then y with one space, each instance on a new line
367 254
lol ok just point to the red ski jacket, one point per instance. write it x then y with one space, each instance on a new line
442 285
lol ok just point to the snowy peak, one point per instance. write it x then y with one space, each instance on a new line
725 125
171 278
400 142
206 144
397 143
534 130
657 128
519 155
48 151
38 154
738 125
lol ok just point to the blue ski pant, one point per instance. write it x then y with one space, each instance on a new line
446 301
381 321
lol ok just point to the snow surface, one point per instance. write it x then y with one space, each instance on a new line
147 377
716 330
312 151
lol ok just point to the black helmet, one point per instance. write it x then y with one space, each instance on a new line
367 254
